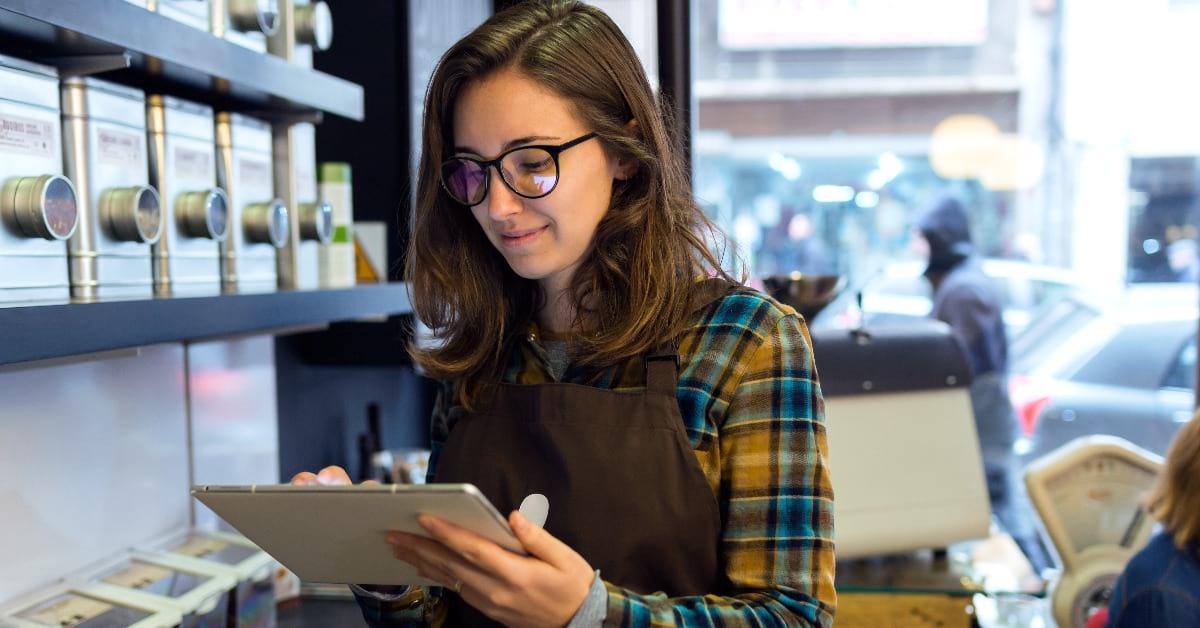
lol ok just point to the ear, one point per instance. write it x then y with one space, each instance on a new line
626 167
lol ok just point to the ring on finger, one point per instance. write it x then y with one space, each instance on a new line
458 586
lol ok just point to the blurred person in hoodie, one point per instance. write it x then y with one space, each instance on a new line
966 299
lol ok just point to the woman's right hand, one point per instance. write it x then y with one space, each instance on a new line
329 476
334 476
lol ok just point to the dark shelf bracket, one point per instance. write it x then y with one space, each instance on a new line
86 65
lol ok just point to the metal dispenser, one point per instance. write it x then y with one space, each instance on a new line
303 26
314 214
38 206
253 604
183 168
120 215
313 25
247 23
65 605
194 13
200 596
260 221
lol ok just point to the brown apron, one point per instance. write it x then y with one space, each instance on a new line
624 486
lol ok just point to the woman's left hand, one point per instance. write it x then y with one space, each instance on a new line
545 588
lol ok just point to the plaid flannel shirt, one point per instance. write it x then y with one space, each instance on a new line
752 406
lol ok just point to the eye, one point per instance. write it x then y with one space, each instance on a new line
536 165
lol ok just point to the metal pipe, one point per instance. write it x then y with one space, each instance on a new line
675 72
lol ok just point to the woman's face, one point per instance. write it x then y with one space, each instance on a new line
545 238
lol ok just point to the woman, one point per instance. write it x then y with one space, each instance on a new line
674 424
1160 586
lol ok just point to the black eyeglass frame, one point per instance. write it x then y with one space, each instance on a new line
552 149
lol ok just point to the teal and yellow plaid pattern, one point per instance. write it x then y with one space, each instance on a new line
751 402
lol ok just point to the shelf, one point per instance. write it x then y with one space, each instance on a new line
41 332
169 56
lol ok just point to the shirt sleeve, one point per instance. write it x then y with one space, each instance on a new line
1154 607
776 502
591 612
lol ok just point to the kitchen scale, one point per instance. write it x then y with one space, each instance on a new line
1089 495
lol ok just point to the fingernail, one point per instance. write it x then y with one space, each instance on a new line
519 521
426 522
394 538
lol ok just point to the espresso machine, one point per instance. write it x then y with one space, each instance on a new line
38 208
260 221
903 451
183 168
120 214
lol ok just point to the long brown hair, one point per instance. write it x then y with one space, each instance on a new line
632 290
1175 500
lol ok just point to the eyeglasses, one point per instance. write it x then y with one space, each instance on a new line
529 171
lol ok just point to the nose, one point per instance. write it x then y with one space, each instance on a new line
501 202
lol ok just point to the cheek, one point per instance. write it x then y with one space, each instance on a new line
575 216
588 201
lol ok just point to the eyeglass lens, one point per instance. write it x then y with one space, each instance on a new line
530 172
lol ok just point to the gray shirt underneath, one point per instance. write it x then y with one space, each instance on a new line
557 357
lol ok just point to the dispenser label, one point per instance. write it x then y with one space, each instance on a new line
68 610
118 148
215 550
199 547
139 576
306 184
254 174
26 136
157 580
193 164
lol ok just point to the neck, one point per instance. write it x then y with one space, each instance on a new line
558 310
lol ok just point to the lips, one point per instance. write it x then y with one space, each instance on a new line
521 232
520 237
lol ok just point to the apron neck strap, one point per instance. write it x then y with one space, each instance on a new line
661 369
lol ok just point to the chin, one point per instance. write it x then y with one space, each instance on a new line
530 269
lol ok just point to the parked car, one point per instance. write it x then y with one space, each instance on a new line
1126 369
900 293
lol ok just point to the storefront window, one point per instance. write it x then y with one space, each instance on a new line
1065 129
827 129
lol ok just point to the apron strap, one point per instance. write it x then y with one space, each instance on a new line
662 366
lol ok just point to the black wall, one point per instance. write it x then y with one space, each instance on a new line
370 48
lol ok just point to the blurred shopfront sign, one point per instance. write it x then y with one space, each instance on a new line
795 24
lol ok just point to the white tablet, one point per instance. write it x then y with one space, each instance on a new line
336 534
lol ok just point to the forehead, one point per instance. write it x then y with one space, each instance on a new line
508 105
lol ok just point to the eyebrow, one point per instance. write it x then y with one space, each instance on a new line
510 144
